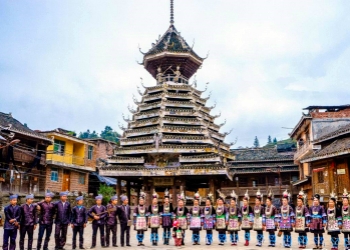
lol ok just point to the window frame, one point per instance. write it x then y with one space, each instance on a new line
54 175
59 147
81 177
90 152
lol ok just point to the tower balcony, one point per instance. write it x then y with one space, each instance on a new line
200 158
147 114
180 112
148 106
142 131
182 130
179 104
126 160
182 121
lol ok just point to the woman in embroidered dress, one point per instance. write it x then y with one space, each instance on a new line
181 214
318 220
140 219
220 220
334 221
154 219
208 215
233 218
195 219
286 220
346 219
247 218
302 219
166 213
270 219
259 214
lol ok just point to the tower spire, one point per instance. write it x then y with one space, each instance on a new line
171 12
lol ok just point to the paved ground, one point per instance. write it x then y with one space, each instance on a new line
188 243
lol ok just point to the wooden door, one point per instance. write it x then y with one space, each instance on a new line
66 180
342 172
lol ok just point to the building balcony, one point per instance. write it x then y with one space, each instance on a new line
26 156
306 148
69 160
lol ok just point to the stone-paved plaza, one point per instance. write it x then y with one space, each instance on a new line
188 243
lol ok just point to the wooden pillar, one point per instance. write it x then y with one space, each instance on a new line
212 188
118 188
128 189
174 195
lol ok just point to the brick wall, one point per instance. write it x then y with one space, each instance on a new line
54 186
338 114
104 149
74 182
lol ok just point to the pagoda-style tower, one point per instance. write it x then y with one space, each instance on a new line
172 133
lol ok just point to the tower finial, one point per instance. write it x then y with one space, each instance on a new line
171 12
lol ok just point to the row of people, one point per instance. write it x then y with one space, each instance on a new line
230 220
176 221
47 214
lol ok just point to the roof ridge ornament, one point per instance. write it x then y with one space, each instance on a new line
172 12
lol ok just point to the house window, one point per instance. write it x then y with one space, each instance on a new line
59 147
295 178
90 151
81 178
320 177
54 174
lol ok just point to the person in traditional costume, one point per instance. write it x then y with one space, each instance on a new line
286 220
177 235
140 219
111 221
208 215
12 219
166 211
62 220
233 217
28 222
318 220
195 219
181 215
154 218
124 215
270 219
259 214
346 219
78 222
220 219
247 218
334 221
302 219
47 211
98 213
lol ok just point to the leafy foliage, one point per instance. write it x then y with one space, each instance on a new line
107 192
269 139
88 135
256 142
109 134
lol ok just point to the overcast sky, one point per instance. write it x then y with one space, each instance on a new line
72 64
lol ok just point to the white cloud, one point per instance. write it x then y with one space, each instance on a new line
64 64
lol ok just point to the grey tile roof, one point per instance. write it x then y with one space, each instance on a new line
7 121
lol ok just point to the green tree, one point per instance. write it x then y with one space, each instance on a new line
109 134
269 139
107 192
88 135
256 142
275 140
